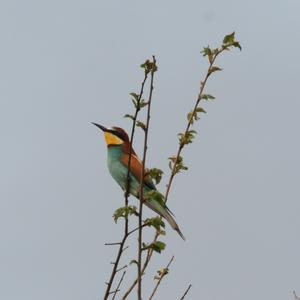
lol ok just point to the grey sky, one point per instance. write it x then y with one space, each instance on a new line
66 63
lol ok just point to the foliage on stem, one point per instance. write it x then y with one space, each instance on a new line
176 165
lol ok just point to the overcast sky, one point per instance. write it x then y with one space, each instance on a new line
64 64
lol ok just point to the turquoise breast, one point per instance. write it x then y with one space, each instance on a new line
118 171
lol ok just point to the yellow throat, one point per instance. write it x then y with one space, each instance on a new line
112 139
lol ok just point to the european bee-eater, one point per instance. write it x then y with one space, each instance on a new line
118 149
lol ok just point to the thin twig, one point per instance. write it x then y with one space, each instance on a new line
114 292
141 192
137 228
181 145
122 243
122 268
118 286
112 244
145 265
125 248
164 273
185 293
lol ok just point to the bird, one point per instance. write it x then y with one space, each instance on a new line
118 151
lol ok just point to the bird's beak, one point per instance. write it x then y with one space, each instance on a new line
101 127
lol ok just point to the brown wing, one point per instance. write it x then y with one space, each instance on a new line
136 169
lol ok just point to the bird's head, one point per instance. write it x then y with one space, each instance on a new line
114 135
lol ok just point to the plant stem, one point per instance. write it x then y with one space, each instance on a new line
118 286
141 192
150 251
202 86
185 293
126 234
161 278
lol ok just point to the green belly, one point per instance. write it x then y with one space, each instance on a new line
119 171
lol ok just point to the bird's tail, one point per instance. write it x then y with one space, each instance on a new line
165 213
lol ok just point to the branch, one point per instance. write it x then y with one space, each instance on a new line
112 244
185 293
152 67
163 274
122 243
181 145
212 55
150 251
118 286
142 272
136 228
187 137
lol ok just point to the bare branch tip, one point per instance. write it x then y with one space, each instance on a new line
185 293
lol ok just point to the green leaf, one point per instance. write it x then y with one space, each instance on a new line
146 64
172 158
163 272
135 96
158 246
156 222
206 97
129 116
200 109
228 39
149 66
214 69
177 166
135 103
190 117
141 125
133 261
207 52
124 212
155 174
161 232
187 138
237 45
193 115
143 103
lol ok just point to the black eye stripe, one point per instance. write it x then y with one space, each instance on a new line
118 134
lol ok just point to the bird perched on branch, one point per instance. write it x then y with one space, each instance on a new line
118 150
